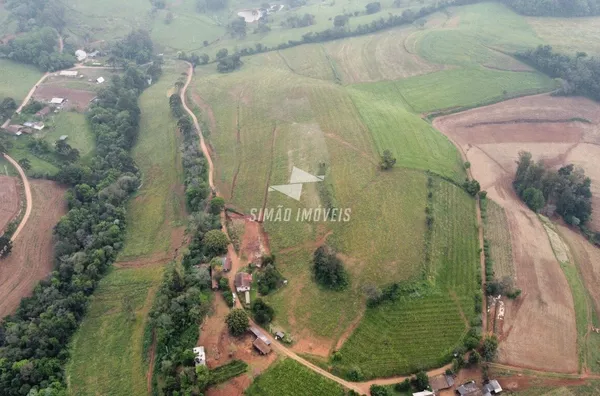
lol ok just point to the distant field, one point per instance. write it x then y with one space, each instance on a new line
569 34
311 61
106 353
402 337
287 377
498 233
16 79
157 205
75 126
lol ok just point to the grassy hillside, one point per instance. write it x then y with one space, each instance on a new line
17 79
75 126
288 377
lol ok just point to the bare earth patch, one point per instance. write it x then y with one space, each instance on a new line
9 200
76 98
31 258
491 138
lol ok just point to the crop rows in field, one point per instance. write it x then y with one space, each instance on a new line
498 233
290 378
421 330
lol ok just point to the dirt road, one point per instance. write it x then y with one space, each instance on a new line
28 199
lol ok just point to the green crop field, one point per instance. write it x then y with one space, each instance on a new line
287 378
498 233
106 353
404 336
157 206
16 79
75 126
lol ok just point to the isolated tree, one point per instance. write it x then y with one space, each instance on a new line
340 21
215 242
5 246
262 312
204 58
379 390
489 348
328 269
474 358
472 187
237 322
222 53
387 160
422 380
25 163
373 8
216 205
237 27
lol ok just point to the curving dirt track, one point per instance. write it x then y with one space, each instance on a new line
31 258
491 138
28 198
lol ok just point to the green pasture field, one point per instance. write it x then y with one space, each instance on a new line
39 166
106 352
405 336
288 377
6 168
395 128
498 233
16 79
76 127
157 205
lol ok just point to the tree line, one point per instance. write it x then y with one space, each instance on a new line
34 340
580 73
556 8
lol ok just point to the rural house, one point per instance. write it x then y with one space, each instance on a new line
492 388
440 382
200 359
469 389
261 346
57 101
243 281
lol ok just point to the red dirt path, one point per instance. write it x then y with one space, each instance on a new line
31 258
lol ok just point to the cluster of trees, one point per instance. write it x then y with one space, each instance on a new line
418 382
566 191
194 163
229 63
580 73
35 13
137 46
237 322
262 312
269 279
34 341
5 245
39 48
180 304
556 8
295 21
7 108
194 58
237 28
373 8
328 269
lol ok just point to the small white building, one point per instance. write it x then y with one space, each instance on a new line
80 55
200 359
247 296
68 73
424 393
57 101
100 80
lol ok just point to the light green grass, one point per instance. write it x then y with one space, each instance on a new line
39 166
151 213
289 378
6 168
407 335
75 126
106 352
471 87
16 79
395 128
569 34
498 233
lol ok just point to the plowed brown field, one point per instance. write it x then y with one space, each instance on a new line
539 328
31 257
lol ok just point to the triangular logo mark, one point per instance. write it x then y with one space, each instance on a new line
300 176
293 191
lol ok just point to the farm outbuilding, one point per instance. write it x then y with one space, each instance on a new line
424 393
243 281
492 388
100 80
261 346
44 112
57 100
80 55
200 359
469 389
